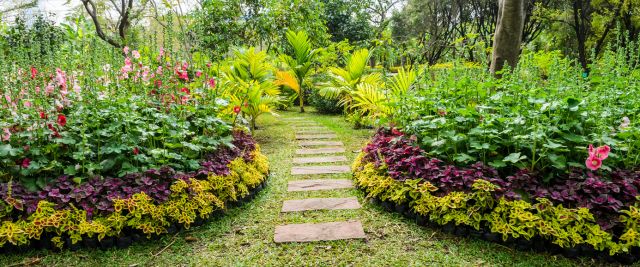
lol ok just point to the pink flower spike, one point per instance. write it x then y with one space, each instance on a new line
592 151
212 82
603 152
198 74
593 163
136 54
125 50
7 134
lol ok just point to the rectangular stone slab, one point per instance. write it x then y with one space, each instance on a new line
349 203
321 184
315 136
303 170
319 160
323 131
310 128
315 151
309 232
320 143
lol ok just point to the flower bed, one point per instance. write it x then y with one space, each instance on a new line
100 157
477 200
138 205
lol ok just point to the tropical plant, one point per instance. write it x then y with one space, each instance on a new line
344 81
249 85
300 61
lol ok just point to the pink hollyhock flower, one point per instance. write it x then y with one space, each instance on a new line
212 82
27 104
159 70
593 163
135 54
61 78
603 152
236 109
161 51
209 65
49 89
34 72
183 75
62 120
125 50
6 135
25 163
198 74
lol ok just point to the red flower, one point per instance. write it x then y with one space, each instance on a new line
136 151
158 83
395 131
55 132
34 72
62 120
25 163
42 115
185 90
236 109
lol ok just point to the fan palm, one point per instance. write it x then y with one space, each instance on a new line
299 62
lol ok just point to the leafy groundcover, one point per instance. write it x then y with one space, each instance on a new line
105 212
475 201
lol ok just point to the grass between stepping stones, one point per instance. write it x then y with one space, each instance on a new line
244 237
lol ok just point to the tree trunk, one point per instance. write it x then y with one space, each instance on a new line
508 35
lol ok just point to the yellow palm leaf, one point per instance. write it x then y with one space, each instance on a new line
285 78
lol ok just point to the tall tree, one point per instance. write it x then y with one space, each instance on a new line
508 36
126 12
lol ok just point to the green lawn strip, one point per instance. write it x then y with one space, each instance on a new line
244 236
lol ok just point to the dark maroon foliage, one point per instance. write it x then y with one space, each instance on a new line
405 160
604 196
96 195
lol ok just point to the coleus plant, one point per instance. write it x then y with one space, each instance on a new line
97 194
403 159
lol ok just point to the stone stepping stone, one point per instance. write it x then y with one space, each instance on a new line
320 143
316 151
319 160
308 232
310 128
349 203
314 132
315 136
304 170
321 184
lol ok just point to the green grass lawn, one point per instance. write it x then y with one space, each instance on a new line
244 237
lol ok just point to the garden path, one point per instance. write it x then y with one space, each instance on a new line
318 146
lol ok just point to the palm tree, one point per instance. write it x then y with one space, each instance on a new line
299 63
